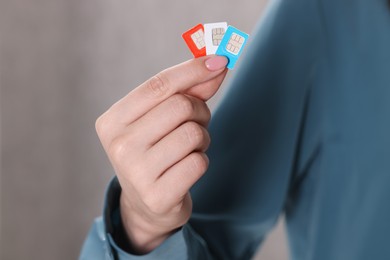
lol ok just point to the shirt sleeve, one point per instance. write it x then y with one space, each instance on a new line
104 237
256 133
255 143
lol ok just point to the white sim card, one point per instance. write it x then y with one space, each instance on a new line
213 34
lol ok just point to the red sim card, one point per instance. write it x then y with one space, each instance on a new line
194 38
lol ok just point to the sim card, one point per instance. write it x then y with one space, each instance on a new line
213 34
194 38
232 45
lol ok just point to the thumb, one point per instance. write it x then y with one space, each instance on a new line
206 90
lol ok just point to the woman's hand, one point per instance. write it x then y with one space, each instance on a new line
156 138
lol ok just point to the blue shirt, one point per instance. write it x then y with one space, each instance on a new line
304 130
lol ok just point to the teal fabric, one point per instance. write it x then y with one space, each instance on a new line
303 131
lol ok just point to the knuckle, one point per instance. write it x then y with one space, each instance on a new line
102 125
194 132
207 140
183 105
177 209
200 163
185 216
119 149
207 112
182 211
158 85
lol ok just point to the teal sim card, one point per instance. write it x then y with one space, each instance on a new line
232 45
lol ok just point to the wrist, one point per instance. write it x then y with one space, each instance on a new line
139 236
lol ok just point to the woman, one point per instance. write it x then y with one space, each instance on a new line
303 131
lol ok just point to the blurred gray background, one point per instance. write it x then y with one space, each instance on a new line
62 64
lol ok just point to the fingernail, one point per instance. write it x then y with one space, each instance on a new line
216 63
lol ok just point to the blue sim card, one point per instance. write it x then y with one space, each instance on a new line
232 44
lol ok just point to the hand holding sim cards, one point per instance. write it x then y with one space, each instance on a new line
169 116
216 38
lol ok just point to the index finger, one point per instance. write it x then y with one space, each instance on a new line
165 84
